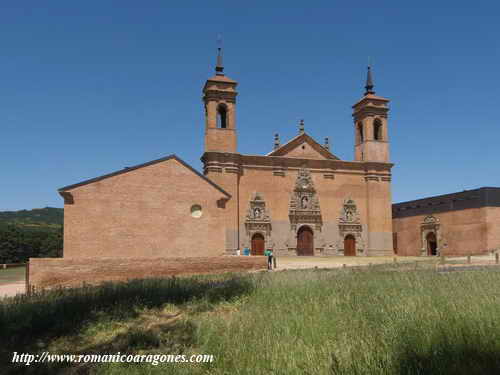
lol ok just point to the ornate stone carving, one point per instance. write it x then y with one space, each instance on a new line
304 204
257 219
430 220
350 223
430 224
349 213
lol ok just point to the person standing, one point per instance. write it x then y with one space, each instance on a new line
269 254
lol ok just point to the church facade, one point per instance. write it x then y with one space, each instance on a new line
299 199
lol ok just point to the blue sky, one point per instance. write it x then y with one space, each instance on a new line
87 88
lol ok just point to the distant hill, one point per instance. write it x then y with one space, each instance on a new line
37 217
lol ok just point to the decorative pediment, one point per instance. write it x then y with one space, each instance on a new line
258 219
304 205
349 220
303 146
349 212
430 223
257 211
430 220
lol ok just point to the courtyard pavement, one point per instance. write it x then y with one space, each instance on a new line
11 289
305 262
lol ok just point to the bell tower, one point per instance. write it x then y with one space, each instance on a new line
219 97
370 124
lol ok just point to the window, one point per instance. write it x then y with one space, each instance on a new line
196 211
222 117
377 129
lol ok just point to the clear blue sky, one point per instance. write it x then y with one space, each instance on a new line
89 87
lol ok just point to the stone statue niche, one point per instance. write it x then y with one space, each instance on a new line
257 219
304 204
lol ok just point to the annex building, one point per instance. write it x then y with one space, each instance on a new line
463 223
299 199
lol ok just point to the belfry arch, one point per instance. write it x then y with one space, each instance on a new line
221 116
377 130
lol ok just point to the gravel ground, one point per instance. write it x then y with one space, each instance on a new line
339 261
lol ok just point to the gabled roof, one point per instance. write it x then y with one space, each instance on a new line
297 141
128 169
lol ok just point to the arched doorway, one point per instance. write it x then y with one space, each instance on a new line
258 243
305 241
349 245
431 244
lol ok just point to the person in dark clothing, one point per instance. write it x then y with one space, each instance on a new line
269 254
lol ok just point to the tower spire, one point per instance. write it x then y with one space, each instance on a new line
369 82
219 68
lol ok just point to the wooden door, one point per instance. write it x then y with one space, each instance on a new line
349 245
258 243
305 241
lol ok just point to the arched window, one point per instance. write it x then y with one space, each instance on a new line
360 132
221 117
377 129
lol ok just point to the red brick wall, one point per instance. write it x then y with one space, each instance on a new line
51 272
463 232
145 213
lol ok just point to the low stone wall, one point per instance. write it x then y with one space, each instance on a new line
52 272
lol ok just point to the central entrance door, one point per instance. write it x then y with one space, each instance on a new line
258 244
305 241
431 244
349 245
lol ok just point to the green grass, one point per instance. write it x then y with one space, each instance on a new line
293 322
12 275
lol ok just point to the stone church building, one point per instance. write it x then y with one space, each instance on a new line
299 199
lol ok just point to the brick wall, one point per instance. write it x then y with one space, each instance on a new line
51 272
461 232
145 212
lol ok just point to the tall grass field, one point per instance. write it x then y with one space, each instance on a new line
378 321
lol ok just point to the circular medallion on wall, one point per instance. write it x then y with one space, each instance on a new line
196 211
